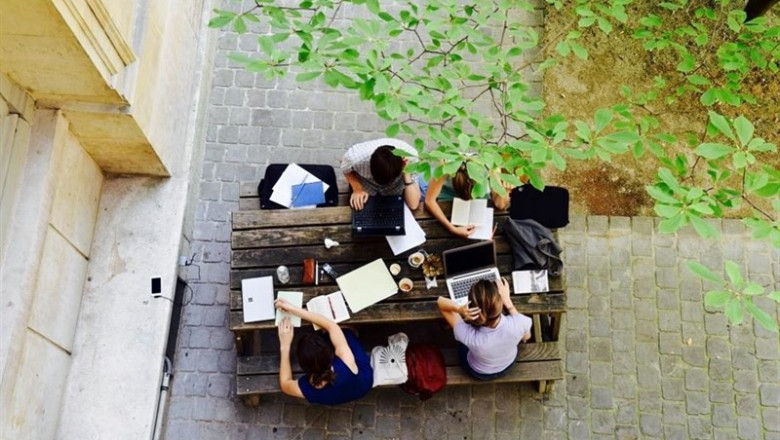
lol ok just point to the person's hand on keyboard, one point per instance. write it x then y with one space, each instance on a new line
358 199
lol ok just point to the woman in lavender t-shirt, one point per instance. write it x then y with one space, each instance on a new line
487 337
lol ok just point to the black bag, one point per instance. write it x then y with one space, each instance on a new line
275 170
549 207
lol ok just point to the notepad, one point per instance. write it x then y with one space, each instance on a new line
469 212
257 296
331 306
295 299
530 281
367 285
485 230
414 236
307 194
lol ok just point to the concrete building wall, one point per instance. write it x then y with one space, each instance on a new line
43 322
92 90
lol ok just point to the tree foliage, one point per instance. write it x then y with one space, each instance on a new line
457 77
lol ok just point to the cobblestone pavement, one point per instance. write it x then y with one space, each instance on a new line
643 358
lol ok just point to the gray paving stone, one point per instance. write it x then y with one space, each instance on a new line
723 415
770 394
651 424
748 428
673 413
699 427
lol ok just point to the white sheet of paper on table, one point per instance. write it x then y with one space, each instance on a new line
414 236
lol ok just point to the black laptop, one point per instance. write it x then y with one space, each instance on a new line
381 215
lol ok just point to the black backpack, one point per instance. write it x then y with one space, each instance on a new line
275 170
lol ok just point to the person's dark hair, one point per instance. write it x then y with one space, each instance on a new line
315 356
484 294
462 183
385 166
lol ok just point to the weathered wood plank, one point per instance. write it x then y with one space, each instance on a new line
268 363
418 291
418 310
503 262
521 372
253 203
301 235
318 216
357 252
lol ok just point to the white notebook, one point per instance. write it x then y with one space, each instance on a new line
331 306
367 285
258 299
469 212
530 281
295 299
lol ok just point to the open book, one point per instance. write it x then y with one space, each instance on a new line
469 212
330 306
295 299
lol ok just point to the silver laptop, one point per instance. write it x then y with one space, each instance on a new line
466 265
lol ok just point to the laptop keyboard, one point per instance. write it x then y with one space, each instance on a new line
460 288
380 216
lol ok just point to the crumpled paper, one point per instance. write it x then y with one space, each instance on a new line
330 243
430 282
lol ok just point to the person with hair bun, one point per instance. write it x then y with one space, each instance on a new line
458 185
337 369
487 338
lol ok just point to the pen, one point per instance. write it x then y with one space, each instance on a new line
316 272
332 312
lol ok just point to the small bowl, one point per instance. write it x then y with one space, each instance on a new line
405 285
416 259
395 269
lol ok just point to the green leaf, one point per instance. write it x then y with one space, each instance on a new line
735 275
721 124
744 129
734 311
222 19
667 210
753 289
671 225
392 130
709 97
717 298
703 227
579 50
702 271
698 80
307 76
373 6
563 48
660 195
761 316
603 116
713 151
239 25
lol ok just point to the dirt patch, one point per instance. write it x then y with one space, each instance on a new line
577 88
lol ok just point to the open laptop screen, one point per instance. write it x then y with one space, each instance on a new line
469 258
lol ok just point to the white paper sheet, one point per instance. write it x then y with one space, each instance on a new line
295 299
530 281
484 231
367 285
415 236
293 175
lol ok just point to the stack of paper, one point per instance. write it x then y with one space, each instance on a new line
293 188
473 212
331 306
414 236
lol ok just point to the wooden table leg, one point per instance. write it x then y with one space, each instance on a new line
556 325
252 401
537 334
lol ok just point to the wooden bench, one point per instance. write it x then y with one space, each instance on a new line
263 240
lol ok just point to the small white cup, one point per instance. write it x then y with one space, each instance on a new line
416 259
395 269
405 285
